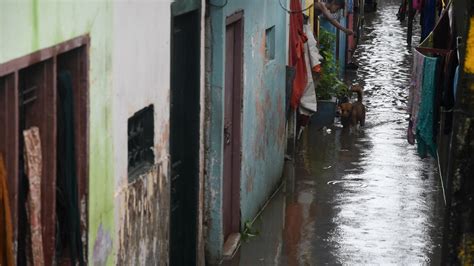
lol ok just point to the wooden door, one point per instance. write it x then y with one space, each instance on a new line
232 123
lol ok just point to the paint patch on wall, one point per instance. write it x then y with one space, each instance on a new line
282 124
143 234
102 246
249 183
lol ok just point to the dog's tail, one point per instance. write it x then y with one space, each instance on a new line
358 89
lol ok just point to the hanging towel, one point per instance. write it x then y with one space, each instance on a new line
33 168
415 93
425 127
6 227
297 39
308 102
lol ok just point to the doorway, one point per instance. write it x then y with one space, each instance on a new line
233 123
184 136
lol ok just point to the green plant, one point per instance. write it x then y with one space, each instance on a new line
248 232
329 84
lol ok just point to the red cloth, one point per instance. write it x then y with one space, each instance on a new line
296 53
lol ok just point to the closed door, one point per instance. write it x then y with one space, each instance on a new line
232 124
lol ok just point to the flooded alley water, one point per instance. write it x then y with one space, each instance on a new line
363 197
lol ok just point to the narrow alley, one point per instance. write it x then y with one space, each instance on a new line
236 132
358 198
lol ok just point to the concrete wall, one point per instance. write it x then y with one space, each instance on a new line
129 69
263 118
141 76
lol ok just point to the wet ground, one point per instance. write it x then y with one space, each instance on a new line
363 197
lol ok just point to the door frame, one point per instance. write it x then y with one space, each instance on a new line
236 18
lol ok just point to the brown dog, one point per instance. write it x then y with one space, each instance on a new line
353 113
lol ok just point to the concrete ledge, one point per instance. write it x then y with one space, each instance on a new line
231 245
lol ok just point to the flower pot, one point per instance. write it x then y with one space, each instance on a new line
326 113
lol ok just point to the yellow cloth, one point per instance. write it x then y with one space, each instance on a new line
6 228
469 61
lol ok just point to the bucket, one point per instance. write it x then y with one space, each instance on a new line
325 115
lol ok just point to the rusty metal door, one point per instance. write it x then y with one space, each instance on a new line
232 123
184 137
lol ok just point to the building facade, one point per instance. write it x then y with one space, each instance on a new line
246 54
120 61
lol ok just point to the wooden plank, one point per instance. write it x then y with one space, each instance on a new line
33 167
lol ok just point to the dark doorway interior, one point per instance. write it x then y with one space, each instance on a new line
184 137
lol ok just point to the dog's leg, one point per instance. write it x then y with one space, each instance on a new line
354 120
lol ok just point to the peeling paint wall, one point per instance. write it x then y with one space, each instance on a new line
143 233
141 60
129 68
263 114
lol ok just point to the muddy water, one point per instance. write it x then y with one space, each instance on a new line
363 197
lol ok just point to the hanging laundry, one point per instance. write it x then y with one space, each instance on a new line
67 202
297 40
447 101
414 98
6 227
33 167
417 4
428 18
425 127
455 82
442 37
308 102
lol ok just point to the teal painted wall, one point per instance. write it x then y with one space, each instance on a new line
263 119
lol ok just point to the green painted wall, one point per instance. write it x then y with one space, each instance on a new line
27 26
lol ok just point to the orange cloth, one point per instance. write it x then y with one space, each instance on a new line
297 39
6 228
317 68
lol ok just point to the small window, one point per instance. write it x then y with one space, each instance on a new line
270 43
140 142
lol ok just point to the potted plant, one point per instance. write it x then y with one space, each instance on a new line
328 84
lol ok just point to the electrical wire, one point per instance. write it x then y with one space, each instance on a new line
294 11
218 6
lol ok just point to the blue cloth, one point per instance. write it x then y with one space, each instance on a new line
350 6
456 79
428 18
425 126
